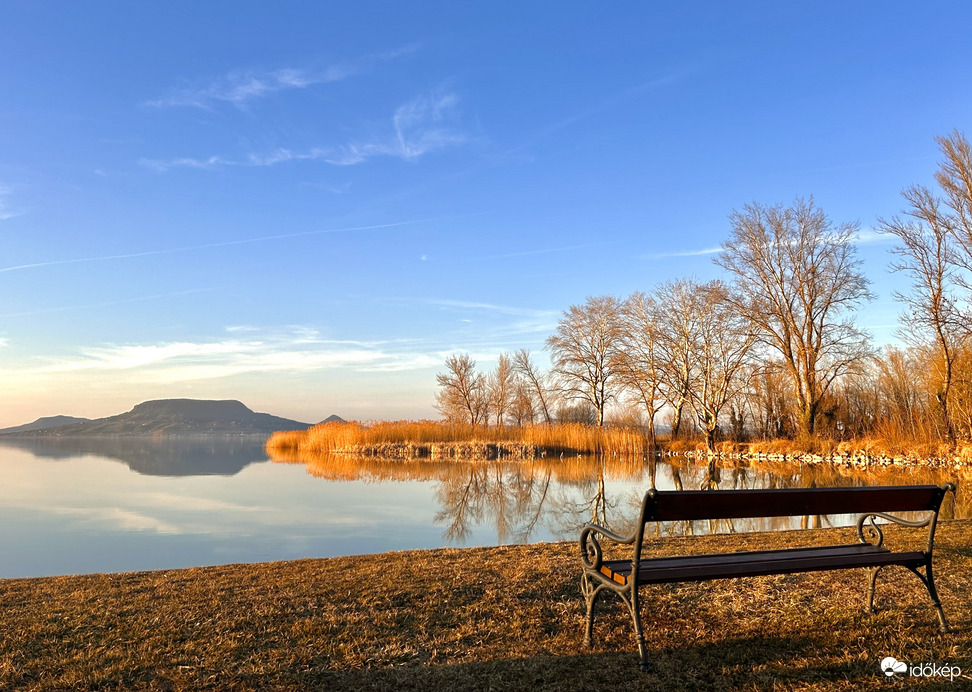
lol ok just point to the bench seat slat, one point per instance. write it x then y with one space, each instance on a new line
756 563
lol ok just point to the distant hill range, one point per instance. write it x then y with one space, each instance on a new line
165 417
44 423
333 418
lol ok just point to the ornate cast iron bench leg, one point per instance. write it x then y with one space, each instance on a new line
643 664
590 596
870 589
928 579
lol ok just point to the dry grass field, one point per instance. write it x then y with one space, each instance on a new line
505 618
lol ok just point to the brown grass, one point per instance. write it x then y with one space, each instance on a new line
505 618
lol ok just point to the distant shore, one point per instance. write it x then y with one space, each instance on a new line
477 619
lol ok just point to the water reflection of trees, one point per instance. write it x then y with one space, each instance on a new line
517 499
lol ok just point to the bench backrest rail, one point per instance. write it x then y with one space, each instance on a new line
867 502
675 505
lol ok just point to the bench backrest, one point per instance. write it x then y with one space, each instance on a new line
676 505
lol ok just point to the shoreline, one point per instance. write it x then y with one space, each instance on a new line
506 617
516 451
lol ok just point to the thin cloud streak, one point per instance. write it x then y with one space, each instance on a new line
424 124
298 350
490 307
110 303
207 246
548 251
239 87
606 104
869 236
5 211
684 253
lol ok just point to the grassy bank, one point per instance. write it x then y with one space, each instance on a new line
479 619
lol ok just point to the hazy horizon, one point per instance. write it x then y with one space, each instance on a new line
308 209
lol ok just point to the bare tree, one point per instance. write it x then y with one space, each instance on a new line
521 408
935 243
501 387
585 351
674 325
798 277
769 400
462 393
899 382
954 176
720 349
537 382
926 254
703 344
639 369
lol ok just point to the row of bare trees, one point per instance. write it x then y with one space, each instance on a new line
516 392
773 349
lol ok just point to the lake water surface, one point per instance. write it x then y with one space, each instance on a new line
70 506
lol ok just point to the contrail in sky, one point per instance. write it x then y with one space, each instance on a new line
206 246
550 250
136 299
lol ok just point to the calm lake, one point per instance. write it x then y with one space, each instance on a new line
70 506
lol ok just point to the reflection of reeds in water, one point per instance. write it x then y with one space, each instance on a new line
429 438
515 497
569 470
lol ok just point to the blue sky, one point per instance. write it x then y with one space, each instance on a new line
309 206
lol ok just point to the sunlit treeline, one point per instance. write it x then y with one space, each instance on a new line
772 350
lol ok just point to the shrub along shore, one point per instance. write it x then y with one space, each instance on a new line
505 618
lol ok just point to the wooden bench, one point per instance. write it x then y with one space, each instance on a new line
623 577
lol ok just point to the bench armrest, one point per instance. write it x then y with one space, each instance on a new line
868 530
590 547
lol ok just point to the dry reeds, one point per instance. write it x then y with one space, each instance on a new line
420 437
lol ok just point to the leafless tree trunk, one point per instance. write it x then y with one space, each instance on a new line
585 351
797 277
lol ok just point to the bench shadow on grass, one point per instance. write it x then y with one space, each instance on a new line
752 663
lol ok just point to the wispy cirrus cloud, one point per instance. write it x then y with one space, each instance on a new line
866 236
419 126
240 87
243 351
6 212
204 246
682 253
499 322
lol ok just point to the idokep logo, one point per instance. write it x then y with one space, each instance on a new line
891 666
